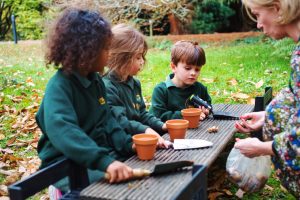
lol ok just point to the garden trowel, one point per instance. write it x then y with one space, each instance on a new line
159 169
180 144
196 101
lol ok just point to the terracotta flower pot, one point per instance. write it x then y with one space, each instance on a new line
177 128
145 145
192 115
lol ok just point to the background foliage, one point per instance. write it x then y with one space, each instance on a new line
211 16
30 16
188 16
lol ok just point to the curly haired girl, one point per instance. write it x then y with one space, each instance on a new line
74 117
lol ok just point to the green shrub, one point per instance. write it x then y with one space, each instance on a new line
30 16
283 48
164 45
211 16
29 19
159 44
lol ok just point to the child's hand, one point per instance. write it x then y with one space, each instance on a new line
164 127
204 113
161 142
133 147
118 171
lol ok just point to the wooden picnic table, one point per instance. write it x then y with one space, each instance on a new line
179 185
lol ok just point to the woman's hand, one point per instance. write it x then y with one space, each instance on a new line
250 122
118 172
161 142
253 147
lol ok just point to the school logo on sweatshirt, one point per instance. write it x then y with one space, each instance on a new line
138 97
101 101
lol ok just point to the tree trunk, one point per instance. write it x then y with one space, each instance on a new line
176 28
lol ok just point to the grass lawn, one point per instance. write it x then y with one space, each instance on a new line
234 73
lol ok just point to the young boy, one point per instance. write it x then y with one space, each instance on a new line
169 97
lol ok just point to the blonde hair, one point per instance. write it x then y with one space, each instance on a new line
290 9
126 43
188 52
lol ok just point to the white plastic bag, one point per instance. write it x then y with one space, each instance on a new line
250 174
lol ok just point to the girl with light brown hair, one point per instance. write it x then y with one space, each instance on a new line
126 59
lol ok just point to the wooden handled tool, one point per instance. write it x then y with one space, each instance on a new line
162 168
137 173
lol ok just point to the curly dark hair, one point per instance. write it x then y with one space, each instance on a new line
76 40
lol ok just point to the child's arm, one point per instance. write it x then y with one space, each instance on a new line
118 109
146 117
203 94
59 122
159 105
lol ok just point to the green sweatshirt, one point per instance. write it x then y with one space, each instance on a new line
168 100
77 123
128 106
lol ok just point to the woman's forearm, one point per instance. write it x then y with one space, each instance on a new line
266 148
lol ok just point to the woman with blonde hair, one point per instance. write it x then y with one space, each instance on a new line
281 120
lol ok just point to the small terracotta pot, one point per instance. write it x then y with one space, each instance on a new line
192 115
145 145
177 128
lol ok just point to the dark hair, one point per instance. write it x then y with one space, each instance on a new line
76 40
188 52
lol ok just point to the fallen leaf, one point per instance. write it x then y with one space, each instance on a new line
34 145
227 192
3 192
7 172
12 178
214 195
251 101
17 99
207 80
268 71
232 82
240 95
269 187
259 84
28 80
3 165
2 136
250 82
283 189
7 150
215 93
240 193
44 197
11 140
225 92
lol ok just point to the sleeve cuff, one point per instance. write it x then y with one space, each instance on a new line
104 162
274 149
